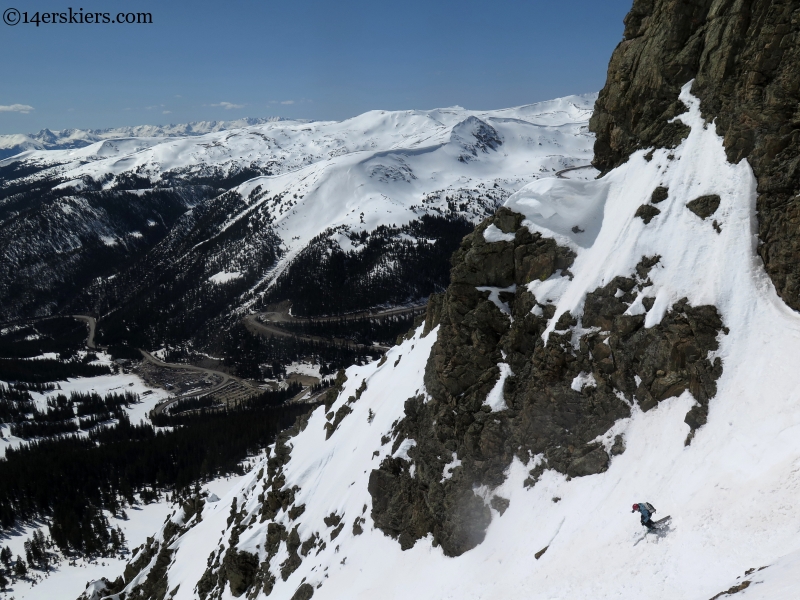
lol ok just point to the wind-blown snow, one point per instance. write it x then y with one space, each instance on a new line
493 234
447 472
583 380
571 212
494 297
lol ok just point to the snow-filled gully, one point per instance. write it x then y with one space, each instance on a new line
731 493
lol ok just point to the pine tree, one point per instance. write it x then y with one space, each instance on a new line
29 553
20 570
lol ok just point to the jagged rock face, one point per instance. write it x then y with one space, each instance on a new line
743 56
559 395
474 135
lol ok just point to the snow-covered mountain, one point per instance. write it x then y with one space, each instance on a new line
46 139
173 217
626 372
602 342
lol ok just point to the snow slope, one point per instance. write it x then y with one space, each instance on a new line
731 493
283 146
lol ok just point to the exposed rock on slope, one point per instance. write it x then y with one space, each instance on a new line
573 366
743 56
556 394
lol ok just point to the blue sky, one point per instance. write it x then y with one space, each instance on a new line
300 59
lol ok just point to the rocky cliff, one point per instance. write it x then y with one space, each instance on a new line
556 394
743 56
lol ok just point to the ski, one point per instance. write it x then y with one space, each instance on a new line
658 524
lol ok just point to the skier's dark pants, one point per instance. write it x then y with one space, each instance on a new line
648 523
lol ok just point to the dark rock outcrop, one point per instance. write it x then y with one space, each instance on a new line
562 395
646 212
304 592
704 206
743 56
659 194
240 570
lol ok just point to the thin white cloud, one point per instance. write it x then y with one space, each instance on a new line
165 112
288 102
20 108
228 105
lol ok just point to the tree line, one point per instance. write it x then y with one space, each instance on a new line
48 369
363 330
257 357
388 266
62 335
60 416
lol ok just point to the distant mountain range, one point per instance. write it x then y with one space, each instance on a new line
168 236
65 139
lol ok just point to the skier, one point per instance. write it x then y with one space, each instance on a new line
647 510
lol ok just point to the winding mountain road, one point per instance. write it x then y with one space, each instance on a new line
226 379
262 323
560 174
92 323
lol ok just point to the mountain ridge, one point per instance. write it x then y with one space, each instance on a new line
64 139
251 200
629 386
